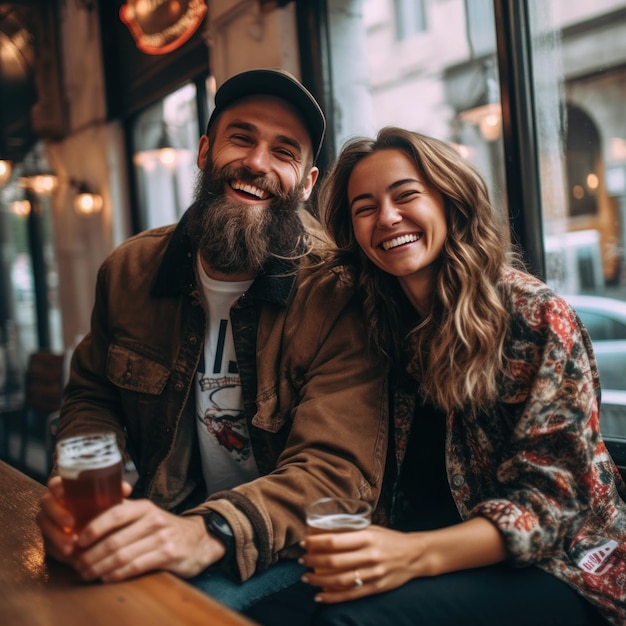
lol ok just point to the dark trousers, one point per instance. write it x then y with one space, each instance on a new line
488 596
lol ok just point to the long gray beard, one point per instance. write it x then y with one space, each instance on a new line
237 238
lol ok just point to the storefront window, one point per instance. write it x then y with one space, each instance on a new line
165 138
21 330
442 79
579 56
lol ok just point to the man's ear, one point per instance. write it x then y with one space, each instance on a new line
309 183
203 153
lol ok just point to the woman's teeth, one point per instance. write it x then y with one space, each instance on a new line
399 241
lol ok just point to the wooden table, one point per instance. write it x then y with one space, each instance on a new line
39 592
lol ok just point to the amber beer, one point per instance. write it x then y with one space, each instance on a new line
337 515
90 467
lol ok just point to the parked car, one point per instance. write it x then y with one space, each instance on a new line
605 320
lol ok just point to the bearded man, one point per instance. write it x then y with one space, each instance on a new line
231 364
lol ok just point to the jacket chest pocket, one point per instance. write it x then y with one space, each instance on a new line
132 371
275 406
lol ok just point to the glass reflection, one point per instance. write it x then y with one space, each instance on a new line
437 73
166 138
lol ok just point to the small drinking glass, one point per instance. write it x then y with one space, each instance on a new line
337 515
90 467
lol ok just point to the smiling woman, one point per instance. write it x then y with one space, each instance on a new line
495 399
399 221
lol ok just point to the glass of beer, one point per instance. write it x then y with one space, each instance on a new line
337 515
90 467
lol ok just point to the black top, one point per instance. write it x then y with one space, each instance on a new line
423 499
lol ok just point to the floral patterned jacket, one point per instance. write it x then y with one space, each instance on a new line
536 465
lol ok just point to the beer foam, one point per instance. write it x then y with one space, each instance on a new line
338 521
86 452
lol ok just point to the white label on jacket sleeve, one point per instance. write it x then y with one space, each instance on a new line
593 560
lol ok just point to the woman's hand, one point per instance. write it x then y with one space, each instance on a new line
383 559
380 558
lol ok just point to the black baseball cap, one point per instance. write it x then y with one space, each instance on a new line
280 84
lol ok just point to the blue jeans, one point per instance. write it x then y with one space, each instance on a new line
240 596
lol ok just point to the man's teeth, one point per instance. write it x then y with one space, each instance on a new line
399 241
253 191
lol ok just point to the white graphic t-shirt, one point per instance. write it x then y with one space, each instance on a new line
227 458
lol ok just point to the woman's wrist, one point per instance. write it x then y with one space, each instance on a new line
474 543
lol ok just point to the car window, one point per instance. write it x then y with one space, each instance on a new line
602 327
619 330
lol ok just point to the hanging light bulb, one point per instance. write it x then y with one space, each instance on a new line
165 153
42 184
6 169
20 207
168 157
86 202
37 175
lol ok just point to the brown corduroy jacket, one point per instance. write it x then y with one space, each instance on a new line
315 401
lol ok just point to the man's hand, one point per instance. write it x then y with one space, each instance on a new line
56 522
128 539
136 537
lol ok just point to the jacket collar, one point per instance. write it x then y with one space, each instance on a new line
176 274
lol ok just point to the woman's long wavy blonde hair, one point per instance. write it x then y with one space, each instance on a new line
457 350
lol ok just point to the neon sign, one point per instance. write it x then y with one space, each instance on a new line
160 26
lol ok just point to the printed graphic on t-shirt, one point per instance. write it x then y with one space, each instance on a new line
224 422
225 447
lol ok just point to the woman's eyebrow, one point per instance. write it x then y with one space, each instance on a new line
394 185
404 181
361 196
